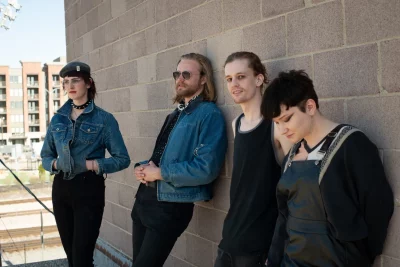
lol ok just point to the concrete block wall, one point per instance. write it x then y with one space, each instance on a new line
351 48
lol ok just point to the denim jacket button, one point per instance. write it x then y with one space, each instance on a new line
57 129
88 130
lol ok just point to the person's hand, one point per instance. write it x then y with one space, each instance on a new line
139 174
91 165
151 172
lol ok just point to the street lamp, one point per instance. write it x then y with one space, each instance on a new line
7 15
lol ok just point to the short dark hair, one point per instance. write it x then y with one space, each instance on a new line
254 63
291 89
92 92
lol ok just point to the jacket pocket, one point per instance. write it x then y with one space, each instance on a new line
88 133
58 131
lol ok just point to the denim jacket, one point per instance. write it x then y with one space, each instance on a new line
194 154
71 144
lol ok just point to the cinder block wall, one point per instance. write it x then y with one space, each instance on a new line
351 48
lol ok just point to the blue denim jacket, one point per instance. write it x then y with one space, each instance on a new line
194 154
94 131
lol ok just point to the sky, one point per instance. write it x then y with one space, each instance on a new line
37 34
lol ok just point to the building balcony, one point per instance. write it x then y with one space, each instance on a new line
3 97
3 123
56 83
56 96
2 83
18 136
33 97
34 122
33 110
33 84
3 110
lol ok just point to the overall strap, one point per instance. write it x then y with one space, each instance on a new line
334 144
292 153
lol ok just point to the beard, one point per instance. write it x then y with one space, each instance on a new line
186 90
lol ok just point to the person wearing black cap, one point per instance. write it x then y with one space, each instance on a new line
74 150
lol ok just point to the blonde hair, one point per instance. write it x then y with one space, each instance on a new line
207 71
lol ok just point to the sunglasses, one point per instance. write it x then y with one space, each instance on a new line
185 74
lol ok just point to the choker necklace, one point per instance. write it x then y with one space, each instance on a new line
81 106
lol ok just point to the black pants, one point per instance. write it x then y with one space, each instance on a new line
225 259
78 208
156 227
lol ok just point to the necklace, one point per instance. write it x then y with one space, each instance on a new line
182 106
81 106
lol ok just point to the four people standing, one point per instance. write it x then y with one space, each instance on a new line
327 204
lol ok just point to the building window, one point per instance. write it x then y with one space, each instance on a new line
56 105
16 104
33 128
56 80
34 140
16 92
17 118
18 142
15 79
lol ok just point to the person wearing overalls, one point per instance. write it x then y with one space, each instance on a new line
334 200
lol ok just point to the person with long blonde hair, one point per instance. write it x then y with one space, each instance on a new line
187 157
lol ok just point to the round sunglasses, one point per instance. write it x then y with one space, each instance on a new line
185 74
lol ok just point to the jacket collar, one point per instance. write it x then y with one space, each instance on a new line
193 104
66 109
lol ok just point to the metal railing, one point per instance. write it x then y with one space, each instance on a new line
35 109
35 96
35 84
34 122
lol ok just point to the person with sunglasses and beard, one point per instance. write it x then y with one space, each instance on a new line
187 157
74 150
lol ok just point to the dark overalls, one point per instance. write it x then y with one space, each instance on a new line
310 242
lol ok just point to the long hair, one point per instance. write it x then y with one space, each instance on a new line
207 71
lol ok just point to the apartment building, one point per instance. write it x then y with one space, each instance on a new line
29 96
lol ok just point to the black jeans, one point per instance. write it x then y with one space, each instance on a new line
156 227
225 259
78 208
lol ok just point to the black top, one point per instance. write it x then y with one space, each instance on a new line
249 225
163 139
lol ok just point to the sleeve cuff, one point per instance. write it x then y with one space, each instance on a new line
141 163
54 171
99 167
165 174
